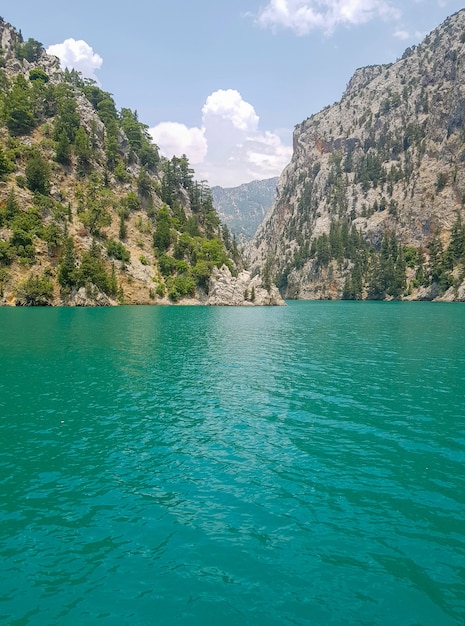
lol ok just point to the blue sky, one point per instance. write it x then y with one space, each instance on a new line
226 81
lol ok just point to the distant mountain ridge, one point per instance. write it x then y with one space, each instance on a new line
243 208
372 204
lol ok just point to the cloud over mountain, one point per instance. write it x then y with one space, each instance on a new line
79 55
229 148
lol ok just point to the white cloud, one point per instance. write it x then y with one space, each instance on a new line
413 36
229 149
302 16
78 55
228 105
175 139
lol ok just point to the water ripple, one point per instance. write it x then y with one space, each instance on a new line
300 466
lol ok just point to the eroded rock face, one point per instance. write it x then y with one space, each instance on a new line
241 290
90 296
387 158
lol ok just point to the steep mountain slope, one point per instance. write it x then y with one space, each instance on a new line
89 212
243 208
372 203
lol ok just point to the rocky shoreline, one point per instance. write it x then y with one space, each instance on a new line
225 289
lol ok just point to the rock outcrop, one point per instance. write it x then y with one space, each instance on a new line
241 290
90 296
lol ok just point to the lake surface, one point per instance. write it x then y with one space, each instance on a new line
233 466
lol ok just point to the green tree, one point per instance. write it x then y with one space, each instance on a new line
166 264
323 250
112 281
169 191
376 290
112 147
38 74
348 292
25 226
11 205
6 253
121 173
96 216
144 184
67 266
18 108
457 242
180 286
336 241
420 275
52 235
67 120
139 140
130 203
400 282
117 250
440 265
107 110
31 50
202 271
122 227
149 154
63 149
83 152
6 166
162 234
132 129
267 275
92 269
93 93
38 174
357 279
36 291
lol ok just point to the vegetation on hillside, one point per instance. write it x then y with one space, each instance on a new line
85 198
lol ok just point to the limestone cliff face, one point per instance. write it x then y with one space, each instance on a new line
386 162
9 41
241 290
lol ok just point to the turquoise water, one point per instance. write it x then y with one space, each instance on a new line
233 466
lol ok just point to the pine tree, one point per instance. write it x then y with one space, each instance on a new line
5 165
420 275
11 205
83 152
63 149
457 242
18 108
38 174
67 266
122 227
112 281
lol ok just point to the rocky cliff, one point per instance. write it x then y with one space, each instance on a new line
372 203
245 289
